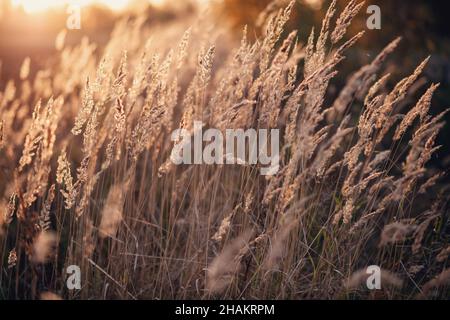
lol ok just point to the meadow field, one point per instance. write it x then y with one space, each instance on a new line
87 180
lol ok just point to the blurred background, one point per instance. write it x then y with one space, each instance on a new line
28 28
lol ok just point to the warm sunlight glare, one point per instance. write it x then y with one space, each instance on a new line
33 6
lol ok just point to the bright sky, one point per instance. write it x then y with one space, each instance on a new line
42 5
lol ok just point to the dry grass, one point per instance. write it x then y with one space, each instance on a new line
84 155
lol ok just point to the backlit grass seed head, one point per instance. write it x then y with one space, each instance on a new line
224 267
44 247
25 69
112 212
359 279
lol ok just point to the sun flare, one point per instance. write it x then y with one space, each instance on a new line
34 6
